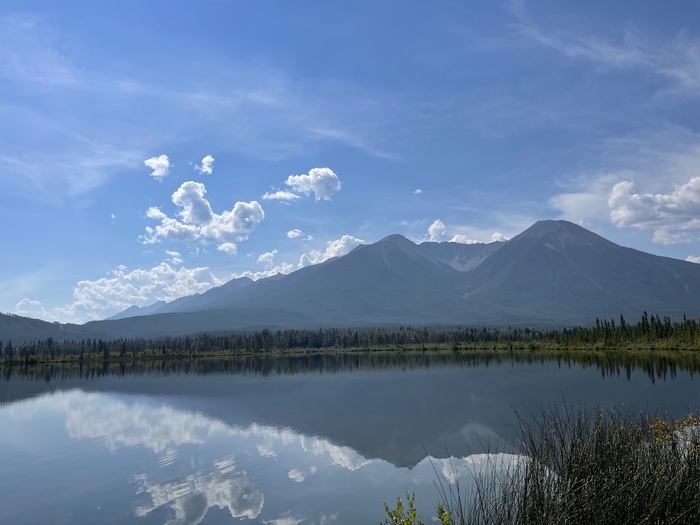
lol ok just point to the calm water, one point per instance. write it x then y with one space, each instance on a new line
299 440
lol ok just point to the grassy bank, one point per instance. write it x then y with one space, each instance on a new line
584 466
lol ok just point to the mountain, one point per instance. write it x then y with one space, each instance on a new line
17 329
461 257
206 300
555 273
135 311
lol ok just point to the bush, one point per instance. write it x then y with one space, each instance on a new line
590 466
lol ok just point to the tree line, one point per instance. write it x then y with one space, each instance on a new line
648 331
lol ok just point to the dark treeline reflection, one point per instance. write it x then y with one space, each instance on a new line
656 364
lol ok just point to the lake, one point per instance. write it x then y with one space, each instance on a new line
296 440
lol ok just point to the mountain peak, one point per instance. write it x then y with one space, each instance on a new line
552 225
397 240
561 232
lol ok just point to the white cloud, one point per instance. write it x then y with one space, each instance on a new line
436 230
334 248
200 223
32 308
160 166
498 237
462 239
207 167
673 217
195 208
281 195
294 234
236 224
154 213
175 257
417 191
283 268
171 229
141 287
693 259
322 182
228 247
267 258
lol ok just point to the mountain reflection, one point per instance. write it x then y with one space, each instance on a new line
191 477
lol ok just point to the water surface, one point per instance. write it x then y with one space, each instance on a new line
296 440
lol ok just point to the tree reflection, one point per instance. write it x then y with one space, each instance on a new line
656 364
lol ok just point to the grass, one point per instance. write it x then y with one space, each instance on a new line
587 466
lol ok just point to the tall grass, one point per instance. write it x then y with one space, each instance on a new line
589 466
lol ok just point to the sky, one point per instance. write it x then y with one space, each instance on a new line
150 150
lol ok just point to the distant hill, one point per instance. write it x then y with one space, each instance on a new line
18 329
135 311
553 274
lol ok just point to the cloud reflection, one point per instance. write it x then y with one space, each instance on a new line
190 498
200 461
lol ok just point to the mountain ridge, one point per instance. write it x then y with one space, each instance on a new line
553 273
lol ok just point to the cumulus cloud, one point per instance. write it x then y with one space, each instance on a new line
32 308
160 166
141 287
294 234
282 268
207 166
228 247
281 195
175 257
436 230
498 237
673 217
417 191
198 222
195 209
322 182
334 248
693 259
462 239
267 258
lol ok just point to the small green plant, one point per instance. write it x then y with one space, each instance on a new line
402 516
409 516
683 433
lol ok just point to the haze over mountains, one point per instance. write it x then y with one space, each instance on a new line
554 273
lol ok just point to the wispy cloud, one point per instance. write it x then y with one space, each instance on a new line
53 97
50 176
677 59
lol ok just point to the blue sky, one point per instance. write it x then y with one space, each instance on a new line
150 150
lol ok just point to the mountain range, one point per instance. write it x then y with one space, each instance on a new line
555 273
